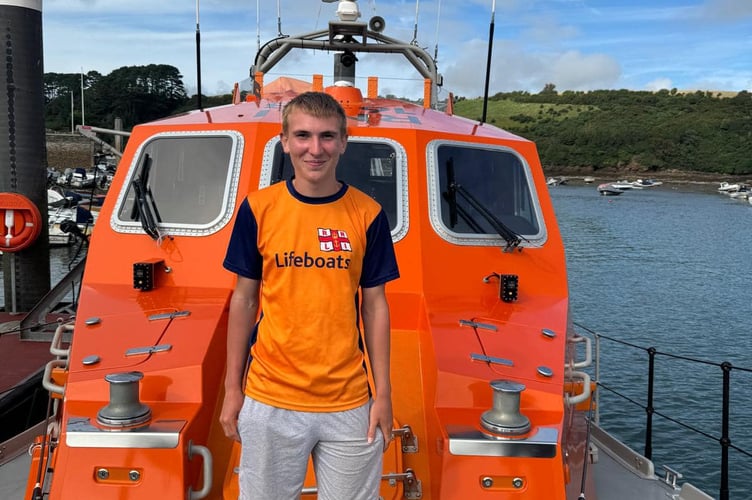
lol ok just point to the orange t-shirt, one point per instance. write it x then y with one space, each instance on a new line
311 255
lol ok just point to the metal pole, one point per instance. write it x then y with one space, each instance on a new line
13 302
649 407
72 126
597 378
83 119
725 440
198 60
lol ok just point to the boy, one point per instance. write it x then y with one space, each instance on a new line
302 250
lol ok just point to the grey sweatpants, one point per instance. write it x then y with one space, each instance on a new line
277 443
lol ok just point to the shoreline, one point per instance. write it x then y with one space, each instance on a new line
690 178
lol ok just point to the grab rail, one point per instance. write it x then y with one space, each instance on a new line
724 439
47 382
207 468
56 348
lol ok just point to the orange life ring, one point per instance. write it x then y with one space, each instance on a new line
20 222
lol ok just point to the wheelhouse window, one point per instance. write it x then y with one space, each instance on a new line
481 193
183 182
376 167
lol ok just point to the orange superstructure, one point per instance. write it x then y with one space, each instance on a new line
488 398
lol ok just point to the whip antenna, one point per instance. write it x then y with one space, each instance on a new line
415 29
198 60
488 61
279 18
436 48
258 26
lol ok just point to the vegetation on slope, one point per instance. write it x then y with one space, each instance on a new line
605 129
622 129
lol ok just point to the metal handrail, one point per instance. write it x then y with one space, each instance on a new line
724 439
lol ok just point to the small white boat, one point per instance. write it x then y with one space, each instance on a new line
589 179
556 181
624 185
727 188
608 189
66 218
642 183
740 194
80 178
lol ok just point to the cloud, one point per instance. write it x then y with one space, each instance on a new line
514 68
726 10
659 84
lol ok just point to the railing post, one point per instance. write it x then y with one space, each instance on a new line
725 440
598 379
649 406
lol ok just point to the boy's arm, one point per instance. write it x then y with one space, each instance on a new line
375 311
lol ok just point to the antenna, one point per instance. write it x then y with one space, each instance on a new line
415 29
488 62
436 47
258 25
279 18
198 60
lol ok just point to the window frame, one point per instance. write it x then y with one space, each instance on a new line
474 239
227 206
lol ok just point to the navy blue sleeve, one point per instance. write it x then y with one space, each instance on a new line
380 262
243 257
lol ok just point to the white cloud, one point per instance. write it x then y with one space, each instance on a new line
659 84
565 42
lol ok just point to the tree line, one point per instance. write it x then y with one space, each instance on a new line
650 131
698 131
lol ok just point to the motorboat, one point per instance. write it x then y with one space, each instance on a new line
727 187
68 219
742 193
643 183
608 189
625 185
493 388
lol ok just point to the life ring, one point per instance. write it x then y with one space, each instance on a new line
20 222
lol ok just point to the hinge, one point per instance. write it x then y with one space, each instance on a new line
407 438
411 486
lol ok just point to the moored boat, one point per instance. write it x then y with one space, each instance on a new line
608 189
647 183
493 395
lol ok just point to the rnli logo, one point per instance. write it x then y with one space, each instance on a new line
334 240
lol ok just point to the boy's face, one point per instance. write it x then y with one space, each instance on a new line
314 145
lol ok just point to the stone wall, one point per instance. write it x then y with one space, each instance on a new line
69 151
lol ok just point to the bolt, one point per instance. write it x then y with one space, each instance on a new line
517 482
487 482
103 473
134 475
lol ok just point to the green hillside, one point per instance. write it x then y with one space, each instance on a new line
618 129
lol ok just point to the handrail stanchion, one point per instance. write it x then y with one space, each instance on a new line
725 440
649 409
597 379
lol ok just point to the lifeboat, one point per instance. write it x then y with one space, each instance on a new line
491 388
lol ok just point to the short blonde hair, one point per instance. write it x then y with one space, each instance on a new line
318 104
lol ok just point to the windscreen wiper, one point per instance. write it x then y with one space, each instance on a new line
511 238
144 206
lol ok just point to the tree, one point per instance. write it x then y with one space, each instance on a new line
136 94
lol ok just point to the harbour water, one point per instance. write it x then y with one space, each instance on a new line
665 267
668 267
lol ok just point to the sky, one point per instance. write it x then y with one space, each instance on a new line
573 44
